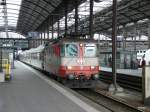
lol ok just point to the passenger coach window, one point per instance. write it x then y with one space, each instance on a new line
71 50
90 50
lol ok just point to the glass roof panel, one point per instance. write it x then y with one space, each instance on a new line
13 7
84 10
11 35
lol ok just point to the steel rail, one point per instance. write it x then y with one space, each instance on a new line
107 98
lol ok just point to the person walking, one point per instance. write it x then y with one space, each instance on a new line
143 61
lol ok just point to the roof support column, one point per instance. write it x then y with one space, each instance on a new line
114 87
99 47
149 35
135 34
48 28
58 27
76 17
114 34
91 19
66 13
40 37
139 34
28 44
1 57
48 33
37 42
33 42
44 36
124 38
52 28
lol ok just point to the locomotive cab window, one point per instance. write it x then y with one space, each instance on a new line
71 50
90 50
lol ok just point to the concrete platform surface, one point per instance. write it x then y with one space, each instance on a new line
28 92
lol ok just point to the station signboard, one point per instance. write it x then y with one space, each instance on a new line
33 34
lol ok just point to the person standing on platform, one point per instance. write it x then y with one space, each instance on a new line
143 61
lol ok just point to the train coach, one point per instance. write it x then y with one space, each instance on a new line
73 62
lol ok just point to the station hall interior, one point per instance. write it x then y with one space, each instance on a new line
74 55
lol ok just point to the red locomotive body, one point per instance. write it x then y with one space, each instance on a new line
73 62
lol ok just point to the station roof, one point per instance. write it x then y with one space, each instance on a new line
33 13
129 12
11 14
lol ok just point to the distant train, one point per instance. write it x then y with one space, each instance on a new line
73 62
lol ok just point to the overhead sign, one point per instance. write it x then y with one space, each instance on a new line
33 34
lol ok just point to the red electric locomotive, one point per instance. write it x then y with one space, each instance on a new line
74 62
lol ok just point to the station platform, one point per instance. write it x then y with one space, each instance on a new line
132 72
30 91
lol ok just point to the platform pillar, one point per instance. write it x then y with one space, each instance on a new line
44 36
1 57
48 28
114 87
52 28
135 34
32 43
91 19
66 14
146 85
124 46
149 35
114 34
40 37
37 42
58 28
76 17
124 38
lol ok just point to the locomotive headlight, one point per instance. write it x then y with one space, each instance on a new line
92 67
96 76
80 44
69 67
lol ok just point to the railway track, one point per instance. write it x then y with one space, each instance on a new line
110 104
126 81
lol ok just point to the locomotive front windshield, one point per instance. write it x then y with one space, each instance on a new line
71 50
90 50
